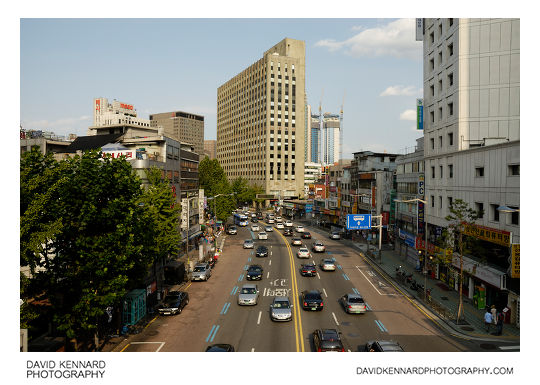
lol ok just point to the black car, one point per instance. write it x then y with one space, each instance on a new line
262 251
259 216
327 340
254 272
308 270
254 220
220 348
174 302
383 346
306 235
312 300
288 232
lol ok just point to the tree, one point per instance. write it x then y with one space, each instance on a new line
460 216
214 181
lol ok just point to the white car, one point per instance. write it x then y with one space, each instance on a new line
296 242
270 221
255 228
268 229
263 235
328 265
288 223
279 225
299 229
319 247
249 244
278 219
303 252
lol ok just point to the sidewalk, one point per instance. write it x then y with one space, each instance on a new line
444 301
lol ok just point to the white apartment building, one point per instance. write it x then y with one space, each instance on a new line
115 114
312 173
472 135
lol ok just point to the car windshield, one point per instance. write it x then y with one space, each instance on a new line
255 269
248 241
281 305
249 290
356 300
199 268
170 300
312 296
328 262
303 250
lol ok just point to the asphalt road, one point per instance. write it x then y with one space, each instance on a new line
213 315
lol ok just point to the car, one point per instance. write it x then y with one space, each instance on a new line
263 235
259 216
303 252
248 295
327 340
308 270
254 272
262 251
201 272
306 235
353 303
268 229
288 223
280 225
255 228
254 220
299 229
383 346
312 300
281 309
319 247
296 241
270 221
174 302
253 215
249 244
278 219
335 235
288 232
220 348
232 230
328 264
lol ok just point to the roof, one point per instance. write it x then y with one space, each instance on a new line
92 142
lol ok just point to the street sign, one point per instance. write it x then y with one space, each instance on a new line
358 221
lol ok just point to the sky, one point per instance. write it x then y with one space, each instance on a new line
372 67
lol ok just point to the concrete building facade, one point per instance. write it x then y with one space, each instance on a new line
260 121
210 149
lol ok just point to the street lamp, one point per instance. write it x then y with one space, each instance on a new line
417 200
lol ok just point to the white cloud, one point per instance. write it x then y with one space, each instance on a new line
408 115
401 91
393 39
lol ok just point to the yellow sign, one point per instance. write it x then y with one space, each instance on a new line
514 273
488 234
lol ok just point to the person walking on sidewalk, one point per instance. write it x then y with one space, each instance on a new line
494 314
488 320
500 320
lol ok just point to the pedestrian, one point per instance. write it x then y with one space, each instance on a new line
500 320
494 314
488 320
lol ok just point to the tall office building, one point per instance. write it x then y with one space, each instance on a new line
210 149
182 126
261 118
324 138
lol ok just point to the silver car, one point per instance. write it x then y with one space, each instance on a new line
288 224
249 294
279 225
328 265
249 244
299 229
201 272
296 242
268 229
263 235
303 252
281 309
255 228
353 303
319 247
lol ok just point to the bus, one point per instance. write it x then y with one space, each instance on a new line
240 219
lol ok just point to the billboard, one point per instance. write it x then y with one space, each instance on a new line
419 114
358 221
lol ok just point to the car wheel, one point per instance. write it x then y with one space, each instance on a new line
179 311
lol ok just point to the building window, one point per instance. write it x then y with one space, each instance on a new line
440 141
432 140
451 139
432 201
441 171
450 171
513 169
450 49
432 89
451 80
479 207
433 172
440 58
450 22
450 109
432 38
479 172
449 202
440 113
440 86
432 116
432 64
440 202
494 213
440 29
514 216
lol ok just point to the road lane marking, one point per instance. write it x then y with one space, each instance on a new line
252 350
267 274
259 319
335 319
367 279
339 267
318 275
355 291
148 342
324 291
234 290
245 267
509 347
269 262
345 276
381 326
211 331
151 322
249 259
241 277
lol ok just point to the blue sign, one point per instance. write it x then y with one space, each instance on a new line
358 221
309 208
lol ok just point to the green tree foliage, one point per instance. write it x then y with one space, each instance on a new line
214 181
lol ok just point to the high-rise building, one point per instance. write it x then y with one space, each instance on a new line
182 126
261 118
471 146
210 149
324 136
115 117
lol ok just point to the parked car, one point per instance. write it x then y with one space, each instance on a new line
270 220
174 302
220 348
249 244
248 295
383 346
335 235
263 235
296 242
312 300
255 228
353 303
303 252
306 235
281 309
287 232
319 247
279 225
288 223
262 251
308 270
254 272
328 264
201 272
232 230
268 229
299 229
327 340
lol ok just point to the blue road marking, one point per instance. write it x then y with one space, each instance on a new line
345 276
225 308
245 267
381 326
215 331
355 291
249 259
234 290
368 307
339 267
228 306
241 277
211 331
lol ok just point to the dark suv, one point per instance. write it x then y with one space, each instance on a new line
383 346
254 272
262 251
174 302
312 300
327 340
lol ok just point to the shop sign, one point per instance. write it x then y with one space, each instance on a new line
500 237
117 154
421 223
482 272
514 266
309 208
409 239
385 216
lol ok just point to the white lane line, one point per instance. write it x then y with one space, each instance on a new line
270 253
253 349
259 319
335 319
144 342
324 291
367 279
267 274
318 275
270 262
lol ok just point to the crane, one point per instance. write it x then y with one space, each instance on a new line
341 130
